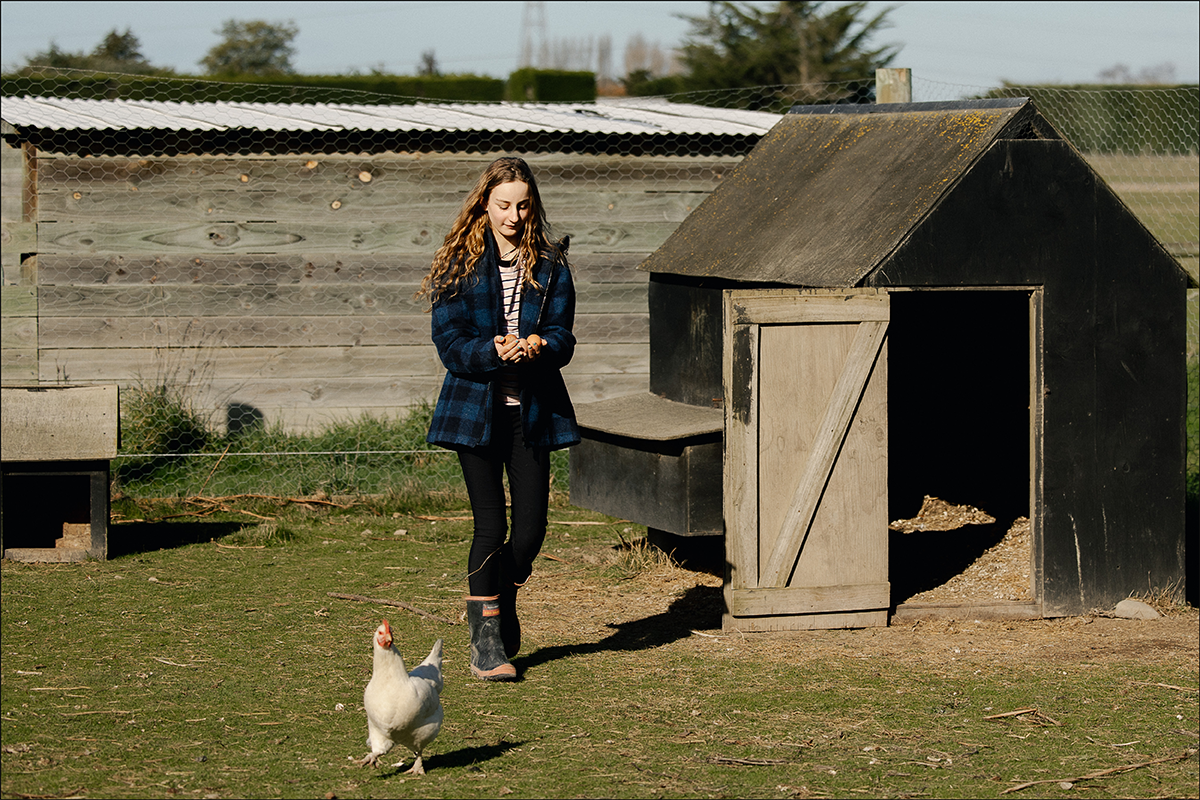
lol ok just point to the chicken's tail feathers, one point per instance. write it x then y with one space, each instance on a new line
431 667
435 654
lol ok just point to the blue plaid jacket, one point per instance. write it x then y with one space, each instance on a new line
463 329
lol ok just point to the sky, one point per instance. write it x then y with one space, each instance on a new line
946 44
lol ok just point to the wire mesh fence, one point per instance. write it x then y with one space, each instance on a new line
241 259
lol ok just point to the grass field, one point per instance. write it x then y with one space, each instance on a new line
206 659
1164 192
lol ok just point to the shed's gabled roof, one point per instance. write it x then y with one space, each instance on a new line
830 191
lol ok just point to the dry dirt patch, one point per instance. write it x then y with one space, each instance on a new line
568 604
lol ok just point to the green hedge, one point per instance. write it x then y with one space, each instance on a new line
1139 120
548 86
358 89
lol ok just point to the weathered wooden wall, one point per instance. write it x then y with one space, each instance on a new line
285 282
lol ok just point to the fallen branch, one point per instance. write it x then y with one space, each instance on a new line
174 664
442 519
240 546
1102 772
1035 712
1016 713
749 762
397 603
1167 686
305 501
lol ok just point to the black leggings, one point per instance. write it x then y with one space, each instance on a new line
529 485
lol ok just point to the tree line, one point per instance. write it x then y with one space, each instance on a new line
736 44
779 54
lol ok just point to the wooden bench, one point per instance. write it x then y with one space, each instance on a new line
56 444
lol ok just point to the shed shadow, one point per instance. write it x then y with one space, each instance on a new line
129 538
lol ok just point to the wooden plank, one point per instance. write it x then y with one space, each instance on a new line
807 622
189 269
398 392
243 363
281 301
836 421
782 306
273 331
17 239
298 203
12 182
740 495
58 423
257 363
18 301
18 366
389 171
810 599
247 301
19 333
615 328
271 394
917 612
404 236
29 192
306 405
225 332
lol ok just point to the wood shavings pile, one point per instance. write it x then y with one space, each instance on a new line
1001 573
938 515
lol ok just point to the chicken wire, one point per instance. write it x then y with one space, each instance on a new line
241 259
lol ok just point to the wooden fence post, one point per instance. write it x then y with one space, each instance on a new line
893 85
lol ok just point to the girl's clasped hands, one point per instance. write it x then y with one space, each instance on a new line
510 348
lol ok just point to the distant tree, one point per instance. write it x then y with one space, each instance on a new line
120 47
569 54
252 48
739 46
55 57
428 68
648 57
1121 73
117 52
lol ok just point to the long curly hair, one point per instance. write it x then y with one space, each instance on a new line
456 259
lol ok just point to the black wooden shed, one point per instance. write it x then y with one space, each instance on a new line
1032 347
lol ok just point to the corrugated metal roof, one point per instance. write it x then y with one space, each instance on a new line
829 193
629 116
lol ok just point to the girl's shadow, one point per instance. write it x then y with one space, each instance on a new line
700 607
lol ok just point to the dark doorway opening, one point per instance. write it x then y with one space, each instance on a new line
959 422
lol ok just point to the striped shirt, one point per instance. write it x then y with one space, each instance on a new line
510 293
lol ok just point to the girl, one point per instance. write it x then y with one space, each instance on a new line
503 311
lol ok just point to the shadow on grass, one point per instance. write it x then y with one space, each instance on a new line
462 758
141 537
699 608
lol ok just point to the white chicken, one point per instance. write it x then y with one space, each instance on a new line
402 707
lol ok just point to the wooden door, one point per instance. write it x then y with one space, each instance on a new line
805 377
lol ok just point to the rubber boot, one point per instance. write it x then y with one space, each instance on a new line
510 624
487 650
